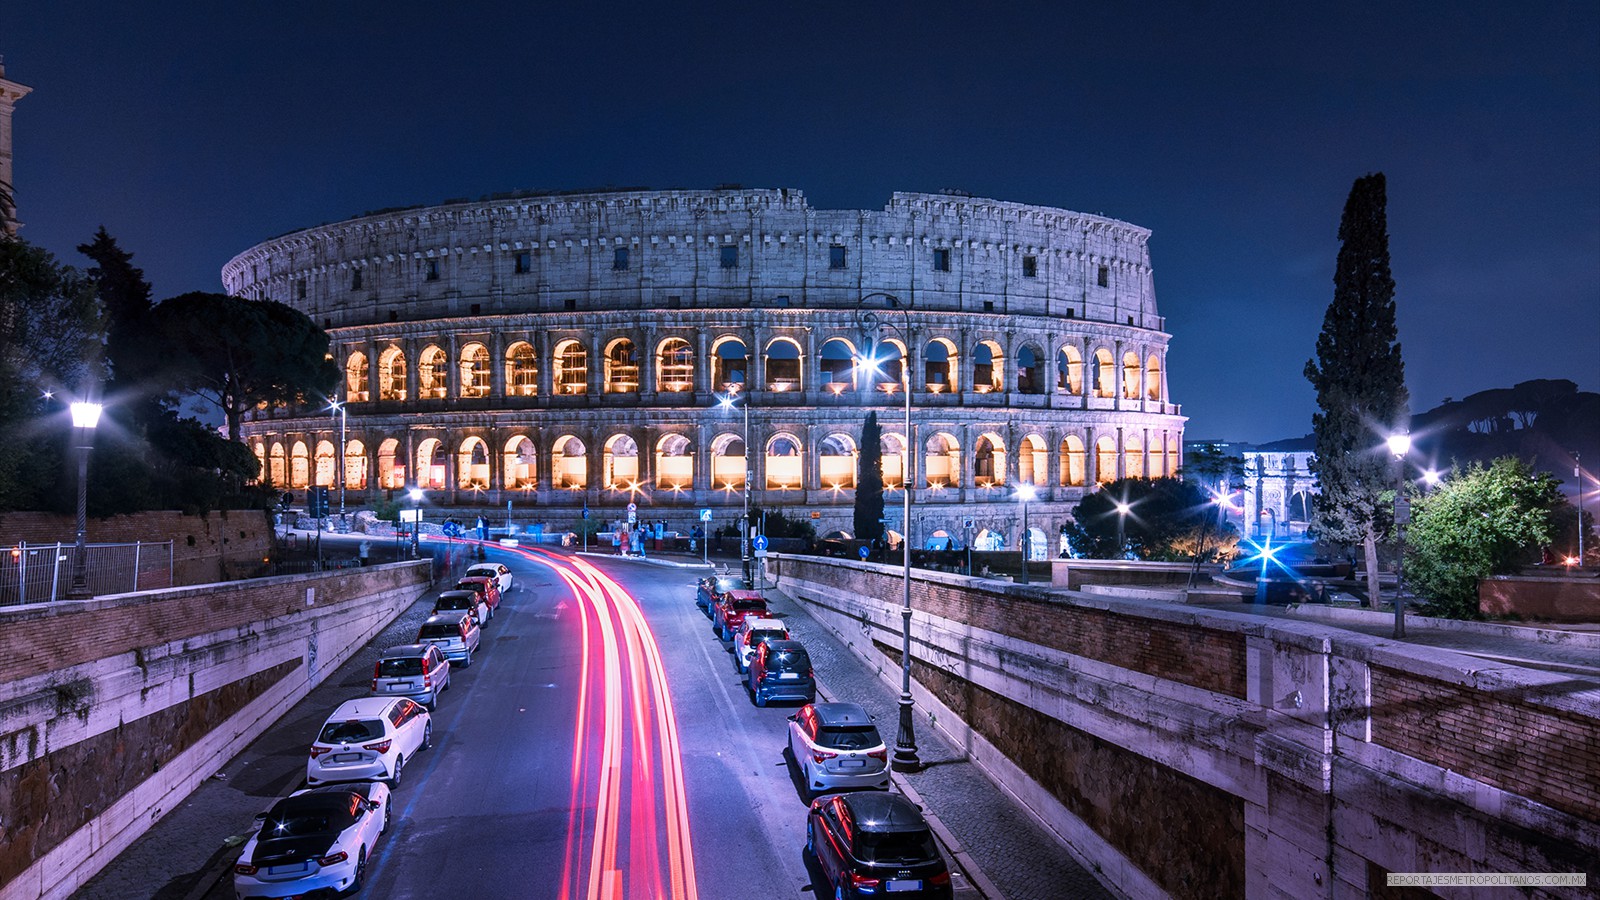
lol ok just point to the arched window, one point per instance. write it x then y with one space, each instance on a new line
472 464
1069 371
892 460
392 374
572 368
783 462
836 459
356 375
521 464
522 370
1105 374
1172 454
731 362
989 461
1153 459
1105 460
1029 379
728 462
260 452
674 463
431 377
474 374
1072 462
355 465
837 362
1130 376
1300 506
941 461
988 368
1152 377
675 366
1038 544
939 366
1033 461
1133 456
569 463
431 465
989 540
622 369
783 365
278 475
299 466
326 468
620 463
390 476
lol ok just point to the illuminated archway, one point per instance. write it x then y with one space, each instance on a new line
728 462
988 368
674 463
390 476
940 366
1030 370
1073 462
989 460
1069 371
472 465
622 369
474 371
355 465
356 374
571 368
619 462
1130 376
784 462
1105 460
836 462
521 463
1133 457
1033 461
326 471
278 473
1105 374
675 366
1152 378
392 374
837 361
299 466
731 361
432 379
431 464
522 370
260 451
784 361
569 463
941 461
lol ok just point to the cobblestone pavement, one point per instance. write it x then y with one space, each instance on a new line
1012 849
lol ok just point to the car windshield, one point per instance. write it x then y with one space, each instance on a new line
790 660
351 730
457 602
439 630
897 847
399 667
852 738
741 603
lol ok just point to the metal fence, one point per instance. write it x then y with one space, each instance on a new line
42 573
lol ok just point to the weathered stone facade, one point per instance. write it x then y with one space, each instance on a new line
558 351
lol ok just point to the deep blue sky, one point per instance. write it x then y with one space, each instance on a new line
1233 131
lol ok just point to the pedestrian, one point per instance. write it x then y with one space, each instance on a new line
638 542
694 539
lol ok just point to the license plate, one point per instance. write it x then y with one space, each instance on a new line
903 885
287 870
852 763
346 757
788 676
402 685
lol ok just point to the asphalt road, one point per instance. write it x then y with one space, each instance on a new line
561 768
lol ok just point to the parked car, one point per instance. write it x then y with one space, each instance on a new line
876 844
313 840
710 591
486 587
837 747
499 572
469 602
732 609
417 672
781 670
752 632
369 739
454 633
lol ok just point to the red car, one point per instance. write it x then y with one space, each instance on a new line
486 587
731 609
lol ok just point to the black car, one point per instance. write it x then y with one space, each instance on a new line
874 845
781 670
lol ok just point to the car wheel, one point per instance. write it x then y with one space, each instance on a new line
427 736
399 767
387 811
838 893
361 872
811 841
761 699
467 662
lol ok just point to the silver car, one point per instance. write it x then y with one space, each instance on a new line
837 747
455 634
418 671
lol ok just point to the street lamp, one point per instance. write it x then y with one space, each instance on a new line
905 744
336 406
1400 445
1025 492
1122 515
416 517
749 479
85 416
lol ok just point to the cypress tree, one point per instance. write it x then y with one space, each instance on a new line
1360 382
869 482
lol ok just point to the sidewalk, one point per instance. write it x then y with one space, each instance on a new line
1006 852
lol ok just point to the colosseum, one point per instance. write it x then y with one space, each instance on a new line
552 353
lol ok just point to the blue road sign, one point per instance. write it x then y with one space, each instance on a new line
864 552
760 542
705 515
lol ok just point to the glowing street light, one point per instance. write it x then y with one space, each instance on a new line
85 416
1122 515
1025 492
416 517
337 407
749 478
1399 446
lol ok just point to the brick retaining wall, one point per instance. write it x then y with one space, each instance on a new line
205 548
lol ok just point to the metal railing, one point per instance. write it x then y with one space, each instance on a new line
42 573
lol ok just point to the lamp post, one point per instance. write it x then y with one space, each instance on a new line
905 744
1122 515
416 517
85 416
1025 492
1400 445
336 406
1577 473
749 480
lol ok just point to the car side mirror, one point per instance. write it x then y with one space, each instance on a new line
374 805
261 817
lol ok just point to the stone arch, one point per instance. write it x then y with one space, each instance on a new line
472 465
1172 454
260 451
988 367
390 476
277 471
893 458
392 374
432 380
674 463
989 539
299 466
1069 370
1152 378
836 362
785 457
473 371
622 368
1038 544
730 363
619 462
357 375
1133 456
431 468
570 368
836 461
674 366
326 468
569 463
1105 374
1030 369
522 370
520 467
989 460
1074 470
941 366
355 465
1130 375
785 363
1105 459
1033 461
941 460
728 458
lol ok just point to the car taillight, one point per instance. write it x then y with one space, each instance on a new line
379 747
821 756
377 670
333 859
427 664
317 751
880 754
242 869
941 879
862 881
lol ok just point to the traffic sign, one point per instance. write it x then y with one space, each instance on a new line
967 524
864 551
760 543
705 515
633 507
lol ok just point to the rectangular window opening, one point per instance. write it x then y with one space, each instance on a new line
433 270
572 304
730 257
524 263
1030 267
941 259
836 256
619 259
300 289
1105 276
394 315
355 280
988 306
476 309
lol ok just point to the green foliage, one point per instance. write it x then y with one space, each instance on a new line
238 353
868 520
125 298
1477 523
1168 519
1213 468
779 525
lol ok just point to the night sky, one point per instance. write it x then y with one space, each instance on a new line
194 130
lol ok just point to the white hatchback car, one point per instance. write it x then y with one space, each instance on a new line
313 840
837 747
498 572
751 634
369 739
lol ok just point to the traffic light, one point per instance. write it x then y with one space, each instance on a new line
317 502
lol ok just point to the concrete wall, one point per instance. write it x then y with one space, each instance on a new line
1546 598
1191 753
112 710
